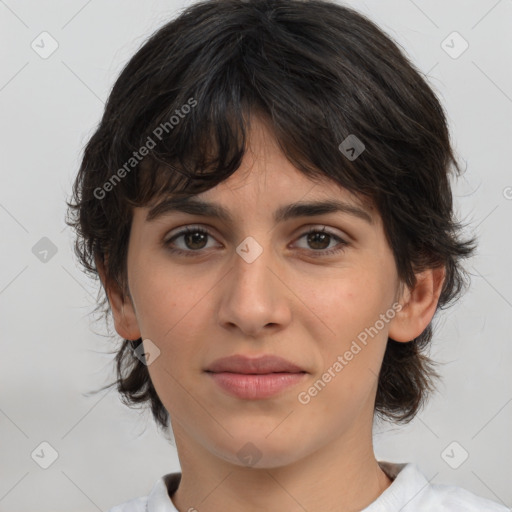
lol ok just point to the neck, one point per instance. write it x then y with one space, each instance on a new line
343 476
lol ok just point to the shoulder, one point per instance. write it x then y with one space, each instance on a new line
452 498
410 491
157 500
134 505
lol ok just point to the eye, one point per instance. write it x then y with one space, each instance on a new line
321 239
195 238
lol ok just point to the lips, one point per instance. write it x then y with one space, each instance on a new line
256 366
258 378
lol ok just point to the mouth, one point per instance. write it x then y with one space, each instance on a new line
255 378
257 365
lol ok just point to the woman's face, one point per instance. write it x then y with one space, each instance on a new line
257 286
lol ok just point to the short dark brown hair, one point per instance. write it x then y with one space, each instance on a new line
317 72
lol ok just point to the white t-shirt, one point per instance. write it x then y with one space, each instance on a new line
410 491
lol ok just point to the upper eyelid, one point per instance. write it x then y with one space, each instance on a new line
187 227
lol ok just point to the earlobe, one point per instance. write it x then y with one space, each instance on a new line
123 312
418 305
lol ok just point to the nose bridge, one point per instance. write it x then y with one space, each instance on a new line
253 298
251 267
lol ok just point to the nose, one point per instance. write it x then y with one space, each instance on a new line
254 296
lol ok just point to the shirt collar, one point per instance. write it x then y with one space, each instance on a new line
158 499
407 483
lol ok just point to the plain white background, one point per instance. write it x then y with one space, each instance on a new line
53 353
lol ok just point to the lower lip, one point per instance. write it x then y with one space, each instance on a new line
255 387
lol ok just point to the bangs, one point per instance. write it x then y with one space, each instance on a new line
193 122
207 156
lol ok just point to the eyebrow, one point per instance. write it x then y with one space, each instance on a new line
194 206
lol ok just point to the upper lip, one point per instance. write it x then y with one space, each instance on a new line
257 365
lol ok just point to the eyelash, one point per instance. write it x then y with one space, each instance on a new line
192 229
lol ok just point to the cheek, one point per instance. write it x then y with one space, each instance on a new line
170 311
344 304
174 312
165 297
347 323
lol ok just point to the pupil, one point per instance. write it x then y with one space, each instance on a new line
313 239
195 237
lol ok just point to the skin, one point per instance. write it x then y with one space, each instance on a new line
307 309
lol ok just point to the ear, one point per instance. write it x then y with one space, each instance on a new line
418 305
123 311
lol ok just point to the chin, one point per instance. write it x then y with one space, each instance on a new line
252 450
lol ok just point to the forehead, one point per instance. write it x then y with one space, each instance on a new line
266 181
278 202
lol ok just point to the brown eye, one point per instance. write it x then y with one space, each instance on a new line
318 241
194 240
